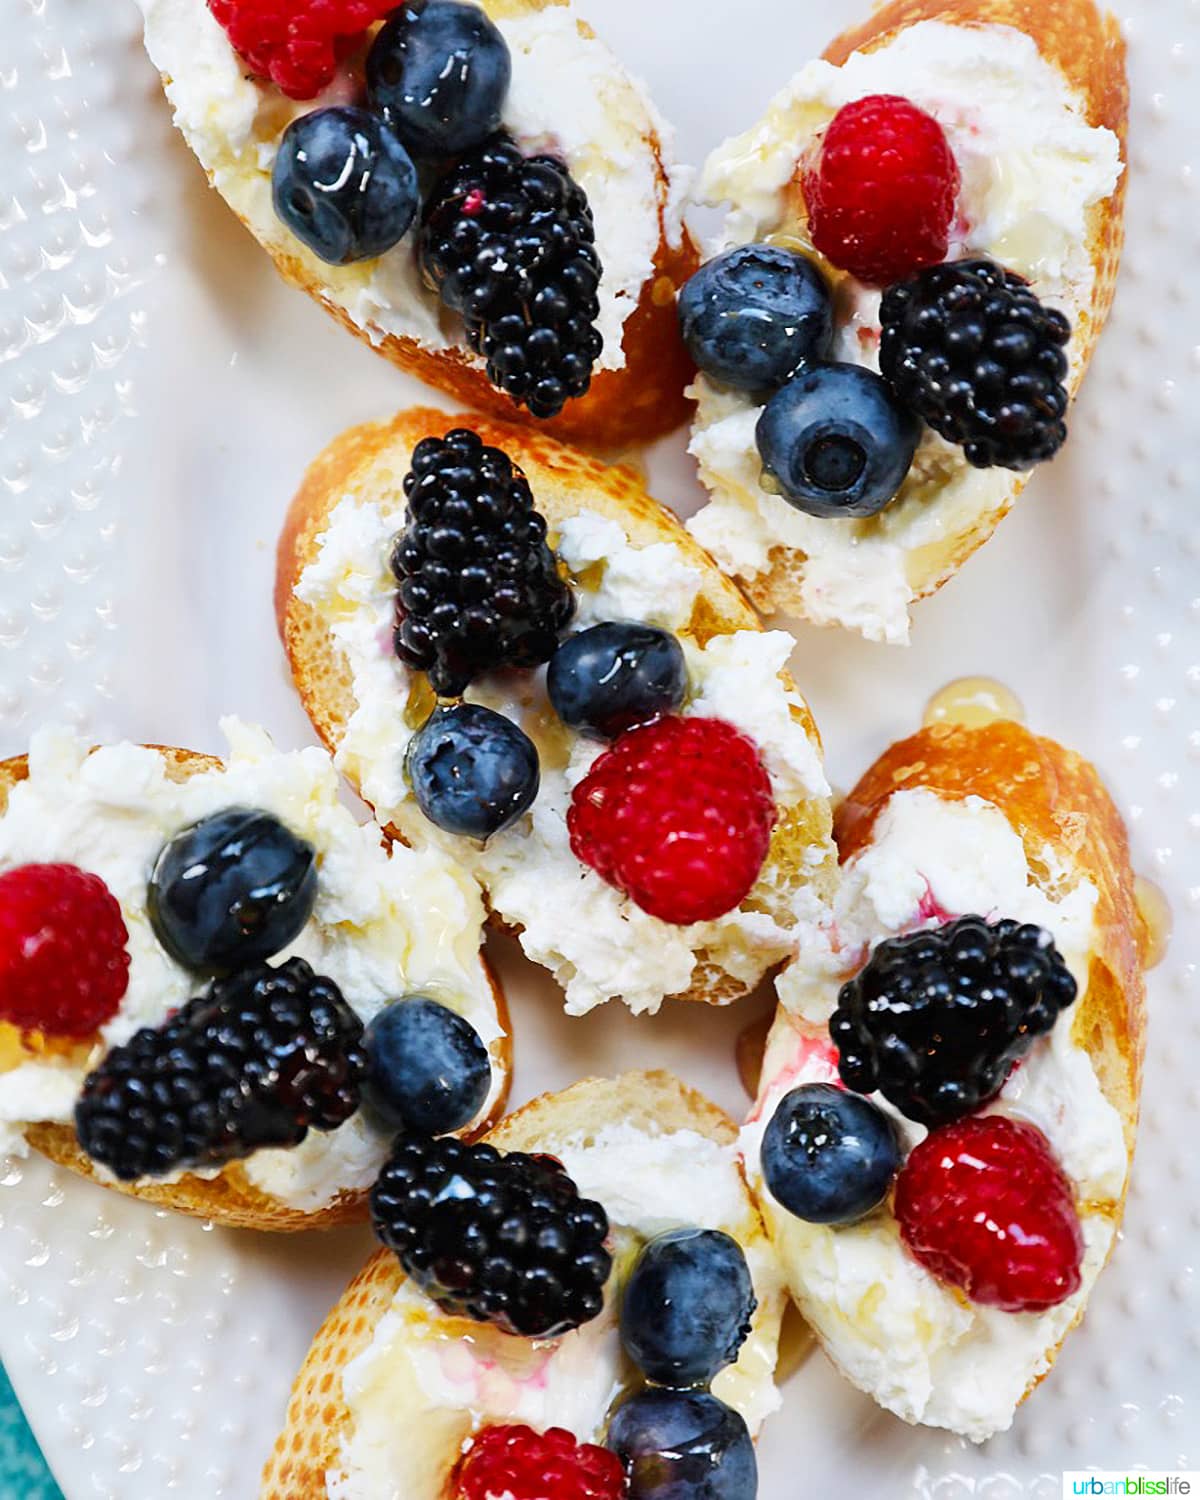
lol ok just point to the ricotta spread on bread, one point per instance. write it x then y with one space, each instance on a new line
1031 170
381 927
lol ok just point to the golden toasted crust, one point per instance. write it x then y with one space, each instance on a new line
317 1416
1055 800
636 403
229 1199
1088 49
563 480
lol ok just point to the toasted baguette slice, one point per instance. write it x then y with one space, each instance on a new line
229 1198
864 574
318 1439
334 603
233 122
945 823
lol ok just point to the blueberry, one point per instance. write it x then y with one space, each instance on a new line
754 315
683 1445
609 678
687 1308
344 185
836 442
439 71
231 891
472 771
428 1071
829 1156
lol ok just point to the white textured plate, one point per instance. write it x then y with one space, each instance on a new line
160 393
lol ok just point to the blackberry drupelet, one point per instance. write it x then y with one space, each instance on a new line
936 1019
970 348
479 587
258 1060
503 1239
507 241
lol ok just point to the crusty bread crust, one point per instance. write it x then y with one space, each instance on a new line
1088 49
639 402
229 1199
317 1416
563 480
1053 798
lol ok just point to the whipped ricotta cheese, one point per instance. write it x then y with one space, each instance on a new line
570 96
451 1376
917 1346
1032 170
382 927
598 943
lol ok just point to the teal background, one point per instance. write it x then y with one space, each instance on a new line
23 1471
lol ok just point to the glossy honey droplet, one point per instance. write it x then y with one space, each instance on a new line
1158 921
974 702
421 701
549 734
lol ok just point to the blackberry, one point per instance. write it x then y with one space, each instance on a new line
507 241
479 587
503 1239
936 1020
254 1062
970 348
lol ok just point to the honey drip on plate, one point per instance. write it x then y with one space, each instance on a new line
973 702
751 1045
1158 921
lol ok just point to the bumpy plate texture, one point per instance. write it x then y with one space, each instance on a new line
159 396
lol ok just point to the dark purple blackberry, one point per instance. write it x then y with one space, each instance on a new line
256 1061
507 241
936 1020
503 1239
479 587
970 348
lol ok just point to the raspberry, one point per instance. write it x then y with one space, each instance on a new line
983 1205
881 190
297 44
64 967
677 814
516 1463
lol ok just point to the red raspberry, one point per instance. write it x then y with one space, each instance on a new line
515 1463
63 962
297 43
881 190
677 814
984 1205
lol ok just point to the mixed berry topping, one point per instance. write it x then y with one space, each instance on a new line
687 1307
479 586
428 1070
615 676
438 72
828 1156
984 1206
678 815
262 1058
516 1463
937 1019
64 964
751 317
297 44
677 1444
881 190
834 441
234 889
473 772
504 1239
973 351
508 243
344 185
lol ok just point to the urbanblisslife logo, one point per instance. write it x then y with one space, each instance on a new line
1112 1482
